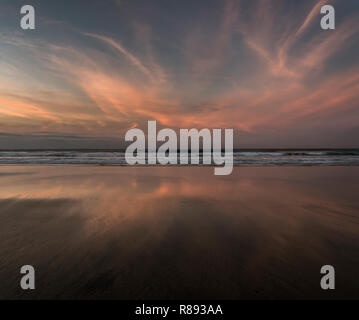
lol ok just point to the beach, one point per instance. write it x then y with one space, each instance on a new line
120 232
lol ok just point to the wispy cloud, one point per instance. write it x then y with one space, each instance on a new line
259 67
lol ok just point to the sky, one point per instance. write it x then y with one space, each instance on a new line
91 70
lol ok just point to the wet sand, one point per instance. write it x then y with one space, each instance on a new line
178 233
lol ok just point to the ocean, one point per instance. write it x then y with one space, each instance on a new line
280 157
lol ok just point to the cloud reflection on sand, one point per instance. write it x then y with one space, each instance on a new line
115 232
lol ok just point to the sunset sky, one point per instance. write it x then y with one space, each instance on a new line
93 69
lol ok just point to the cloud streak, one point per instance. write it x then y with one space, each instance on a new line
259 68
